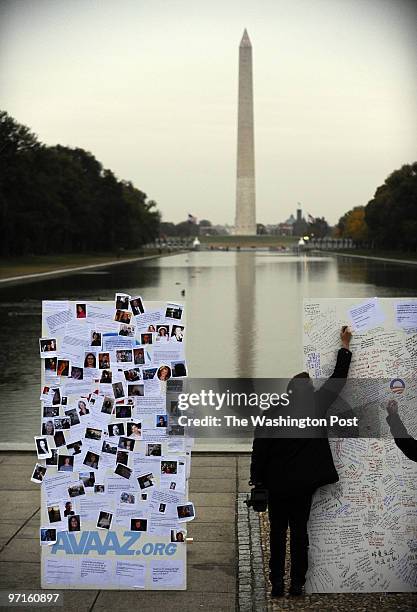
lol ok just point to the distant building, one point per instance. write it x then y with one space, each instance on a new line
207 230
300 225
245 224
286 228
293 226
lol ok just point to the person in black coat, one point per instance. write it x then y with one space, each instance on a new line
406 443
292 468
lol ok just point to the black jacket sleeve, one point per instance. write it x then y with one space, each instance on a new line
402 438
259 460
329 391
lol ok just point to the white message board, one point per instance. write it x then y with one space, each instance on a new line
363 529
112 468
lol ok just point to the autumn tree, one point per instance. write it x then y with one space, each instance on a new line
353 225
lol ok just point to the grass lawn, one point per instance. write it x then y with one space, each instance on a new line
20 266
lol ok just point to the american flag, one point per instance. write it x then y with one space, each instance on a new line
192 219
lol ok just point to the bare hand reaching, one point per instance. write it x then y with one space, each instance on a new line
392 407
345 336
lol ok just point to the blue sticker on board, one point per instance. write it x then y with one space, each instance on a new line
397 385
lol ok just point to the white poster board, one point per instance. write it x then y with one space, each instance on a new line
363 529
109 509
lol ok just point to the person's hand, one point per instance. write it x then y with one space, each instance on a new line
345 336
392 407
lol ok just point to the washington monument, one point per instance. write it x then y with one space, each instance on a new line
245 223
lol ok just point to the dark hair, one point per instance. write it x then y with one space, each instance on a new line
292 385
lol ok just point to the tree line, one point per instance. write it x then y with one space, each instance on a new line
186 229
59 199
389 220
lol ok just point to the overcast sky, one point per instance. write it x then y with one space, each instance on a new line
150 88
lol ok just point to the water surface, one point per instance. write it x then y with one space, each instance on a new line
244 314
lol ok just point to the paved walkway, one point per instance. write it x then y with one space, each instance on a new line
226 562
215 482
411 262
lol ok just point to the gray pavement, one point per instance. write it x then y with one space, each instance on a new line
252 584
216 480
408 262
227 562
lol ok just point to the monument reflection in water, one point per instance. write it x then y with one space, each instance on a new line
245 326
